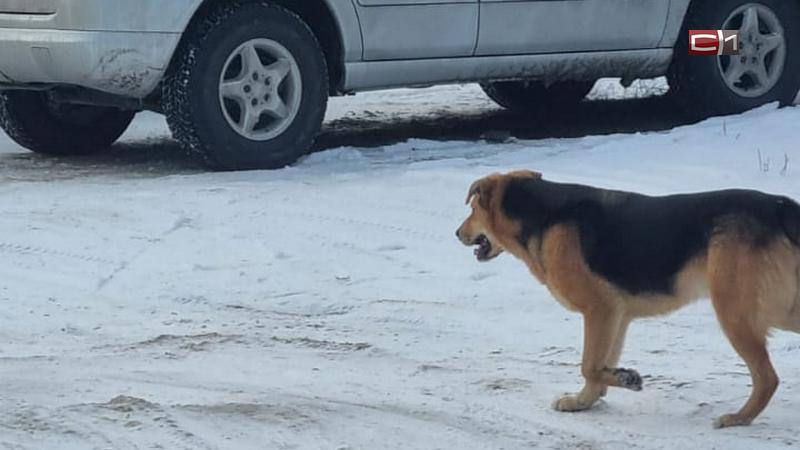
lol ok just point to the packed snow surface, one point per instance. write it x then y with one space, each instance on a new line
146 304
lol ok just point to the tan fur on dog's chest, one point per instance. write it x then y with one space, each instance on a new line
566 273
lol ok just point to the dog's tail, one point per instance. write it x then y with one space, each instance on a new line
789 214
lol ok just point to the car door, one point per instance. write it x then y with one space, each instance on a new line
27 7
548 26
416 29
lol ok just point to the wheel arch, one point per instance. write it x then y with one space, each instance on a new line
678 11
333 22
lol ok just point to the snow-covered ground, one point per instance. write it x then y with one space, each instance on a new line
147 304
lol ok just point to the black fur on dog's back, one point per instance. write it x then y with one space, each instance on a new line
790 217
639 242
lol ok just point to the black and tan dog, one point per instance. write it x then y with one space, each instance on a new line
616 256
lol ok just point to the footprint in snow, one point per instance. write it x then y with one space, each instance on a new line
505 384
391 248
481 276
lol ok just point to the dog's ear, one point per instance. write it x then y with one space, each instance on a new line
473 190
483 189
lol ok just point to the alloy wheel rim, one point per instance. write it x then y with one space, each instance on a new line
762 42
260 89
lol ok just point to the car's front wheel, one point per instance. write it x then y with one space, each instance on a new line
766 70
248 88
527 96
36 121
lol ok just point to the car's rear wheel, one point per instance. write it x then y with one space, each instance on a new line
248 88
766 70
36 121
527 96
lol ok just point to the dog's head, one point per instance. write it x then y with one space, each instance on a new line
485 197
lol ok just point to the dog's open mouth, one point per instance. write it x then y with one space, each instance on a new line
484 248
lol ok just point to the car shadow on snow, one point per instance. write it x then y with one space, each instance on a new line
153 157
160 156
596 117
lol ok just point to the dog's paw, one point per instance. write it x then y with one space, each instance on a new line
731 420
569 403
628 379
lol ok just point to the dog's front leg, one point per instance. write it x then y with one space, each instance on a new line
601 328
616 348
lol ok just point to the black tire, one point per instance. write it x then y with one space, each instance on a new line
37 123
696 82
528 96
191 89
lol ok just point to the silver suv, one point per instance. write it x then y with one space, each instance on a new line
245 83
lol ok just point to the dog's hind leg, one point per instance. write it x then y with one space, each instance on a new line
602 327
751 346
734 274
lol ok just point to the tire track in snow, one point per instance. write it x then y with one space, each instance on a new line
21 249
131 415
183 221
394 229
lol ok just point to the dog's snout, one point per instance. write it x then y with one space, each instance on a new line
458 235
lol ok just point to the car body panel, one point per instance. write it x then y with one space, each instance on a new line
122 50
125 50
517 27
548 67
409 29
96 15
28 6
102 60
